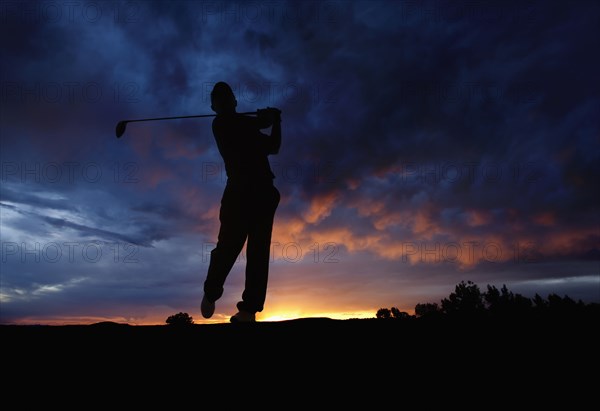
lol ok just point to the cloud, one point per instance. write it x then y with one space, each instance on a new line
86 231
36 200
411 132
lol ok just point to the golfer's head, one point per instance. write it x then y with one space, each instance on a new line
222 99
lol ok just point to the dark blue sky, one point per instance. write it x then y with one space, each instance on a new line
424 143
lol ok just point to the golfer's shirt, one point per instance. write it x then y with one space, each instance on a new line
244 148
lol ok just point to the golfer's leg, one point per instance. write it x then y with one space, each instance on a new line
232 236
258 254
222 259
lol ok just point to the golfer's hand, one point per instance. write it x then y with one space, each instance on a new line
269 115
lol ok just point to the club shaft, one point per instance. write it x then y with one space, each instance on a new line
179 117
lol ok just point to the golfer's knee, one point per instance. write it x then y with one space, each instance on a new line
227 248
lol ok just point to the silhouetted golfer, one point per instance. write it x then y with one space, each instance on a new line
248 204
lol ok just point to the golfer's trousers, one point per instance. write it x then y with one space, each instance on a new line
247 212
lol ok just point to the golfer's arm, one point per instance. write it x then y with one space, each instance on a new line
275 137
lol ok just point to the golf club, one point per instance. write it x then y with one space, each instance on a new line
121 125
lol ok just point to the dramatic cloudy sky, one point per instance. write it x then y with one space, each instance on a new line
424 143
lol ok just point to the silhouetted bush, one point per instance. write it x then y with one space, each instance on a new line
180 319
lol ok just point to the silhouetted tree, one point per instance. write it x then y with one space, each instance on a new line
400 315
466 299
383 313
522 303
427 310
492 297
180 319
564 305
505 302
540 303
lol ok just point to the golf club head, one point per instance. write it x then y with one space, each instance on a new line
120 128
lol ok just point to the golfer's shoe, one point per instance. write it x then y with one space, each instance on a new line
243 317
207 308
